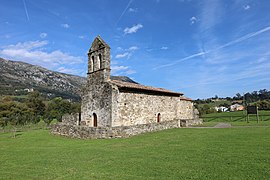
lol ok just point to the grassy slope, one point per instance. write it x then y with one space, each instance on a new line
241 153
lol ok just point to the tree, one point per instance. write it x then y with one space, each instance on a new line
263 105
205 109
57 107
224 105
14 113
76 107
238 97
36 105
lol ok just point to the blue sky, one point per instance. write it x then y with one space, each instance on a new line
202 48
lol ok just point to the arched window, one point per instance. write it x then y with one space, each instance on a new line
93 63
94 120
100 61
158 117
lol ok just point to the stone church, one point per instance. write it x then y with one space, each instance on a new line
110 103
113 102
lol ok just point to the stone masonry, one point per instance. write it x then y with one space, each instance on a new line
118 108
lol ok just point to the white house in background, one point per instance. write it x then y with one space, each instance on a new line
29 90
237 107
221 109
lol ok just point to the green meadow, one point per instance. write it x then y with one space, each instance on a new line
187 153
237 116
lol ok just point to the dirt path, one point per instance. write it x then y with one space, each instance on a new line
224 125
219 125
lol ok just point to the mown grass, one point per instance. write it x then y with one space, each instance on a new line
233 153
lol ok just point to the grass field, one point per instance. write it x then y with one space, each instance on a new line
235 116
233 153
235 113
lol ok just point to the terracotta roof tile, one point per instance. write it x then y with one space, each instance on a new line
185 98
128 85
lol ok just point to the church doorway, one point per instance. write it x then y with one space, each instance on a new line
94 120
158 117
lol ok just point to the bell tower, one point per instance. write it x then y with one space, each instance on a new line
99 60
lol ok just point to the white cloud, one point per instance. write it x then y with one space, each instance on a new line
246 7
164 48
217 49
43 35
132 10
130 71
81 37
119 48
133 48
193 20
34 52
117 69
133 29
65 26
27 45
126 54
122 70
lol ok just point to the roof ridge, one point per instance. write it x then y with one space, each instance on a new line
129 85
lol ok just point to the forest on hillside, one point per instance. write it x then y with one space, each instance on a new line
259 98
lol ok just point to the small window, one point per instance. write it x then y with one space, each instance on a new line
158 117
94 120
93 63
100 61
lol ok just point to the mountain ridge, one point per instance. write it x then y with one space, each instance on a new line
17 77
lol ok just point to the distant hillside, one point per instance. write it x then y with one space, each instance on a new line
18 77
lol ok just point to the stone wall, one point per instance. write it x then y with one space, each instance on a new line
186 109
140 108
86 132
97 99
71 119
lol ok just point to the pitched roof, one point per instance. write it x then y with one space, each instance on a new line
98 43
142 88
185 98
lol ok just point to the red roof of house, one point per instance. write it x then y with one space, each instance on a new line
139 87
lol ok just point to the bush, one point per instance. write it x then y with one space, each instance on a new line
263 105
206 109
